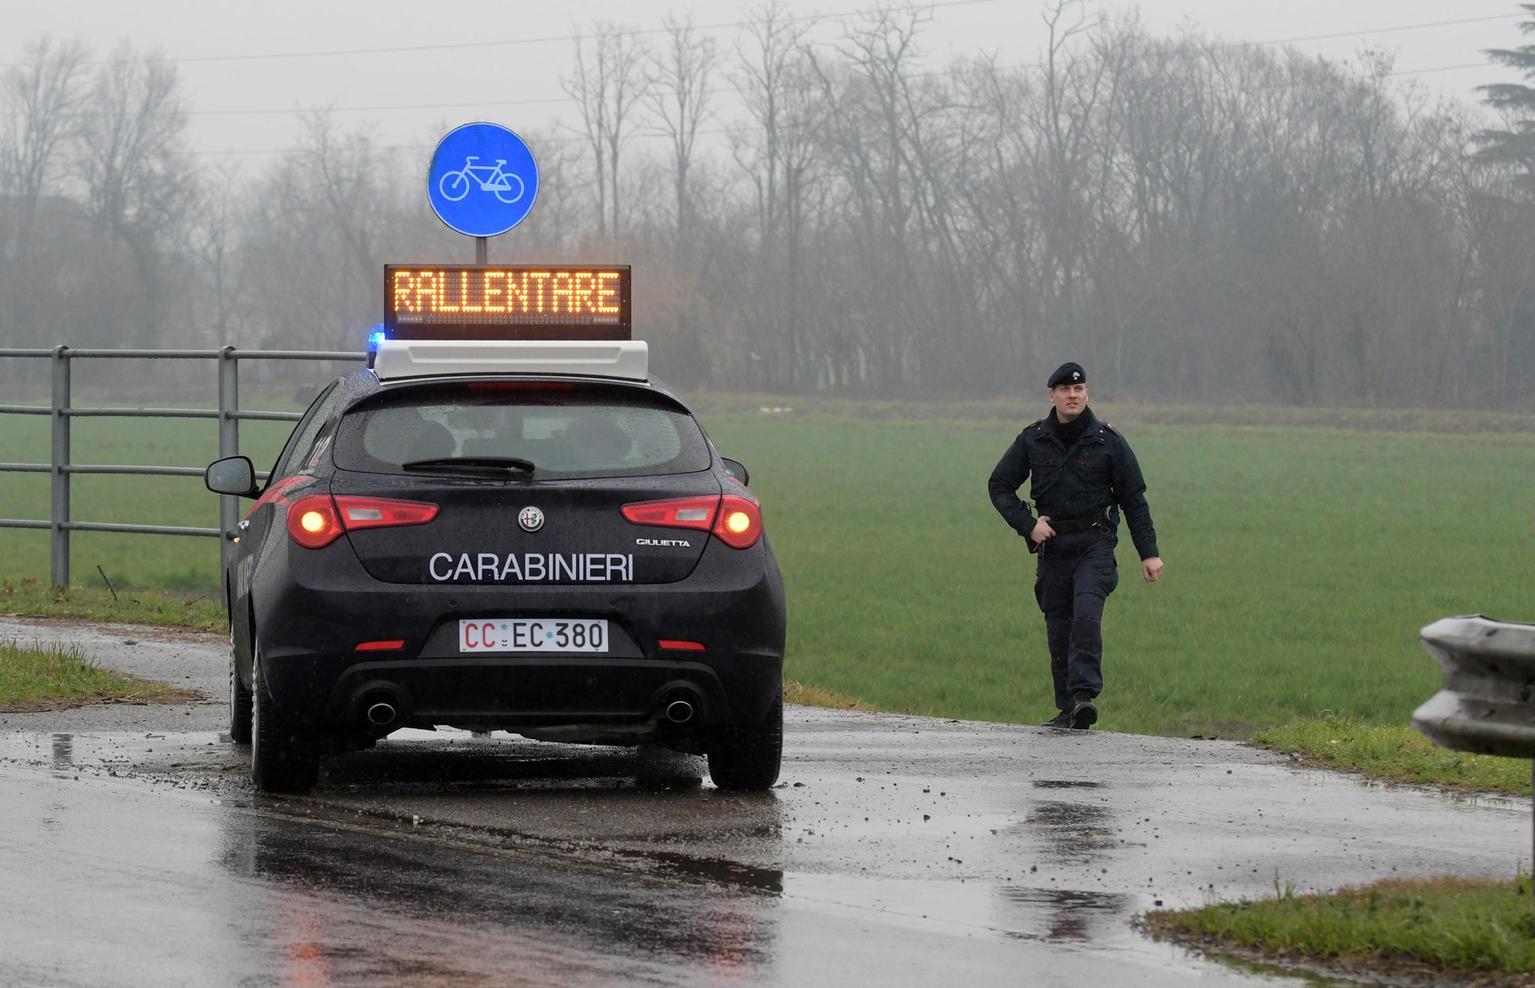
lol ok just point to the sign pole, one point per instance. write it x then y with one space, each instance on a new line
482 251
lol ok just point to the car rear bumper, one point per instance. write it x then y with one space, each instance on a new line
310 619
515 692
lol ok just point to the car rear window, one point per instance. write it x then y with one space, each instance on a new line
565 429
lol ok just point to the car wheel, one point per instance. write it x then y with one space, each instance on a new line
747 759
284 756
239 700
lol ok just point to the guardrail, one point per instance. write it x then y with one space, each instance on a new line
62 411
1487 704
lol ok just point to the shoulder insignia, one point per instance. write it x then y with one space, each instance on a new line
1033 424
1113 430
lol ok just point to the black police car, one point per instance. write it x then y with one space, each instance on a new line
503 535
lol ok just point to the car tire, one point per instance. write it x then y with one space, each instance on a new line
747 759
239 700
284 757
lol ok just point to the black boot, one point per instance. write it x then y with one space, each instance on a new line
1061 720
1084 713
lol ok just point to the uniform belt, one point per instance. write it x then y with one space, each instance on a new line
1101 518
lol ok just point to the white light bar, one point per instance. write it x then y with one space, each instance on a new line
628 360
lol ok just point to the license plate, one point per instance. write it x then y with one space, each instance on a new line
533 635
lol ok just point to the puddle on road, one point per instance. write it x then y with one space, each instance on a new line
149 752
1019 912
1070 914
63 751
1065 784
720 870
1073 833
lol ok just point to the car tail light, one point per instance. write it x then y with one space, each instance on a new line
687 512
313 522
734 520
380 512
739 524
316 521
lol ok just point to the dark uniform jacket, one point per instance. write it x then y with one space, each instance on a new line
1077 487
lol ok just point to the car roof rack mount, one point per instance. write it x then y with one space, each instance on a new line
621 359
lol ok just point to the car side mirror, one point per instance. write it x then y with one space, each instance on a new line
231 475
737 469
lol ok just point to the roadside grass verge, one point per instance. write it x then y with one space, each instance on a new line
809 696
35 598
1395 753
55 676
1433 928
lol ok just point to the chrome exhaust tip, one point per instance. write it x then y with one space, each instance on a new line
679 711
382 714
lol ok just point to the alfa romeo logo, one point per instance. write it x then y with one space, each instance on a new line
530 518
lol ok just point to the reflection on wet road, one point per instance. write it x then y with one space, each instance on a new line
897 850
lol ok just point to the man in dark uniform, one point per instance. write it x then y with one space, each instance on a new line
1084 474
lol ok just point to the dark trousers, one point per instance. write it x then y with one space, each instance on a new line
1076 575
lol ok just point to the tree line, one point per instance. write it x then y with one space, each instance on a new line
1192 219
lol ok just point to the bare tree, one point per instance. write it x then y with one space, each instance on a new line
679 97
214 246
765 60
774 153
138 179
1073 89
38 101
1195 218
608 83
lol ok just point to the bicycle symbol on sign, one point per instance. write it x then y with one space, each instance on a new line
455 185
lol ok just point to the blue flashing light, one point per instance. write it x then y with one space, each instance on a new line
375 339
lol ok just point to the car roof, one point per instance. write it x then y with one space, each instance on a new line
363 382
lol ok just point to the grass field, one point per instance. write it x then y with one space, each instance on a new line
1301 564
1301 561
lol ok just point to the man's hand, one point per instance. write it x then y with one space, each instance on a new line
1151 568
1042 530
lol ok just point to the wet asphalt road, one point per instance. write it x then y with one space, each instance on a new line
897 850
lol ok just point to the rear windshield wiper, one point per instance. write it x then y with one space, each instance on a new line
472 463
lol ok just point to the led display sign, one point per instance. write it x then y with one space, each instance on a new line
523 301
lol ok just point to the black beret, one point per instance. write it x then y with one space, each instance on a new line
1067 373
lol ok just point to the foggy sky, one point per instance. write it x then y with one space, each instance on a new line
480 82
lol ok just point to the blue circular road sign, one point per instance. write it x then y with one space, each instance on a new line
483 180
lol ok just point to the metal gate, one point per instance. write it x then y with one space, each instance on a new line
61 410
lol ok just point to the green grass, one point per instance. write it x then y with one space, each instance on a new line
34 597
1435 927
59 676
1302 560
1301 563
1396 754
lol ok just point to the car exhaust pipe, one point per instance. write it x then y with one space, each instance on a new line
382 714
680 704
